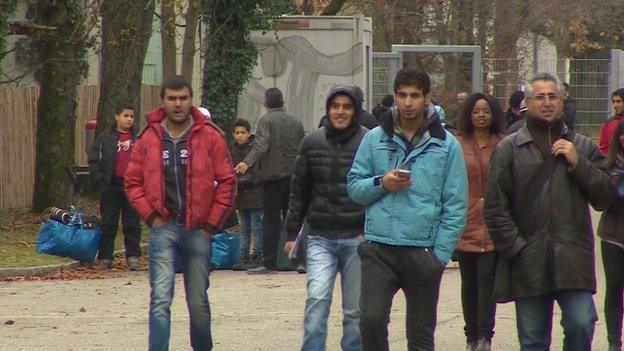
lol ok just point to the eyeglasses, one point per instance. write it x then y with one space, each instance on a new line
544 97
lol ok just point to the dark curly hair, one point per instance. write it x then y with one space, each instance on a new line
464 122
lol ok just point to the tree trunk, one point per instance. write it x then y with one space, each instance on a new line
125 37
61 66
167 34
307 7
333 7
190 33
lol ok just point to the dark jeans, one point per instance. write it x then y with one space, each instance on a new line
613 262
477 279
578 317
113 202
385 270
275 200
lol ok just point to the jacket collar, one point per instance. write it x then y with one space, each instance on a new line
523 135
155 117
434 127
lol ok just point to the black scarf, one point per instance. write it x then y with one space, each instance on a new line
544 133
339 136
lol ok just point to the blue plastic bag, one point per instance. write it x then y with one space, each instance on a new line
225 250
69 240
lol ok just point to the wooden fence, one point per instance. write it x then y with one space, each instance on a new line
18 126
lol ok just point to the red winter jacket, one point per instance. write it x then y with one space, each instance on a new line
606 132
210 179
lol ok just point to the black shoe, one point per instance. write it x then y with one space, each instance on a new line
242 265
301 268
261 270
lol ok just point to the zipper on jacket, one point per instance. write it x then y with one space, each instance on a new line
175 172
549 136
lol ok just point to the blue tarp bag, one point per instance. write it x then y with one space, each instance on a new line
225 250
69 240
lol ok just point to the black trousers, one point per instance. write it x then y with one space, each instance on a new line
113 202
477 278
275 200
385 270
613 261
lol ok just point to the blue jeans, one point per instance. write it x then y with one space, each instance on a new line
534 320
325 258
167 244
251 220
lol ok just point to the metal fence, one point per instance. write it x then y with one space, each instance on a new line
591 81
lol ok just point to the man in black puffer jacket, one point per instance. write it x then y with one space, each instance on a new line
319 193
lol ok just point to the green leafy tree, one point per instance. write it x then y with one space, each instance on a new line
229 53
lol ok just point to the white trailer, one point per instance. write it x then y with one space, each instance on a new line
305 57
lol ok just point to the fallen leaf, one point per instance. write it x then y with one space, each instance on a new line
9 322
82 309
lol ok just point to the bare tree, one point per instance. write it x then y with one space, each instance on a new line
190 33
167 33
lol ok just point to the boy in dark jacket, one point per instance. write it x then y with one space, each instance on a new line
108 161
248 200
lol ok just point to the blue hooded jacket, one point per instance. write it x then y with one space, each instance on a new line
429 213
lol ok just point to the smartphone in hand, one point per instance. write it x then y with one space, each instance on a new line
404 173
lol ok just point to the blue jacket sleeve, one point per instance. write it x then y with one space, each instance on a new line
454 204
361 185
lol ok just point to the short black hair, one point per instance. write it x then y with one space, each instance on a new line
175 83
409 76
240 122
387 100
464 120
273 98
124 106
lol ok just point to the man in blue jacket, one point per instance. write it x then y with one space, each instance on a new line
409 173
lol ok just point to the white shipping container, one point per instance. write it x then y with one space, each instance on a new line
305 57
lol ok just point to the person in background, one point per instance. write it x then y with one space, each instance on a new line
274 148
383 107
366 119
248 200
319 193
456 109
481 127
108 161
606 132
514 111
611 231
569 107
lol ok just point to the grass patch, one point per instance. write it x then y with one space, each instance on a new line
18 237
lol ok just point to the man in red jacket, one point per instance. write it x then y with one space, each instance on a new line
606 132
181 181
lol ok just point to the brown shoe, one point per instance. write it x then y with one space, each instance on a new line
105 264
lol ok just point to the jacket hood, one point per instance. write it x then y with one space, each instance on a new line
155 117
344 90
432 122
